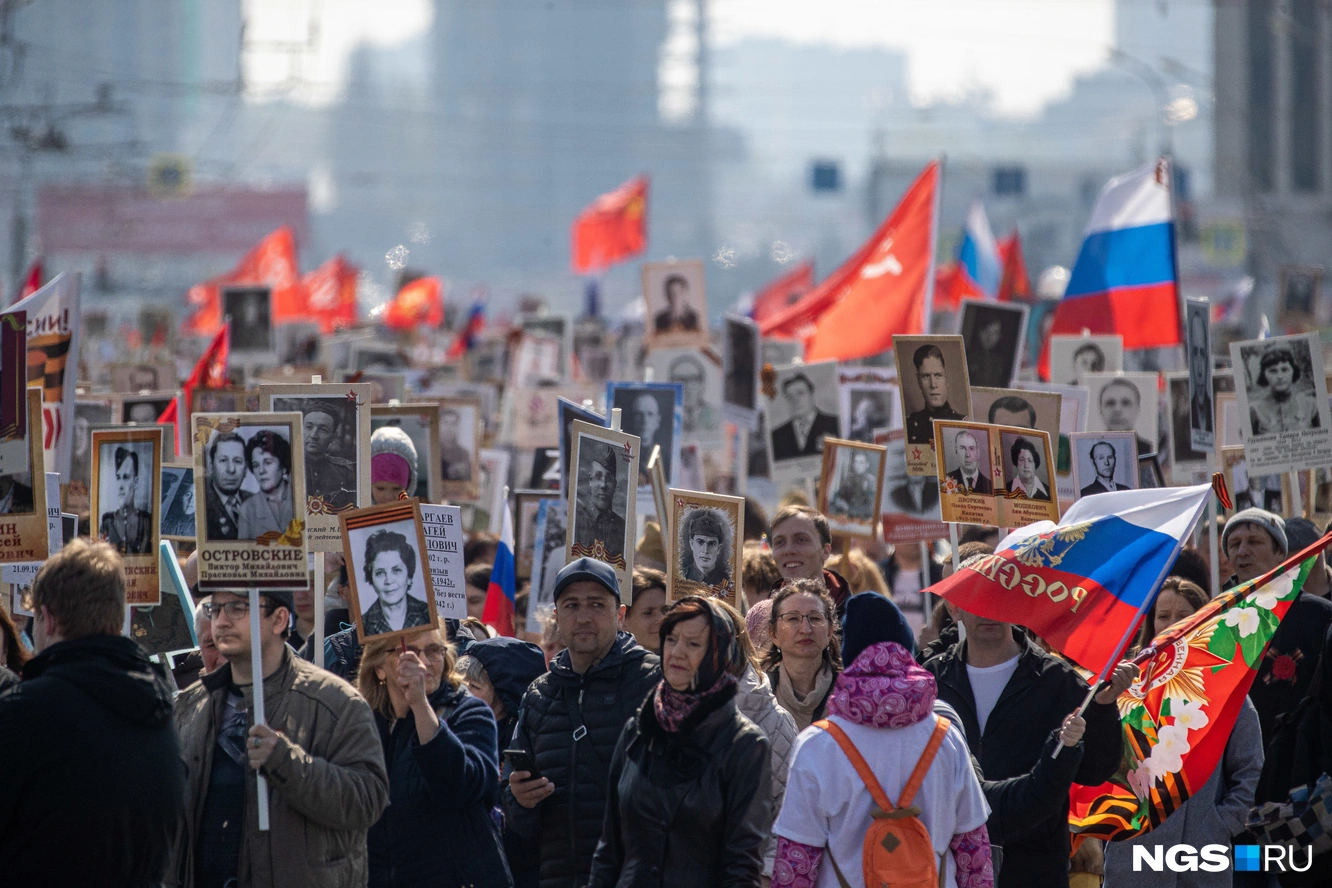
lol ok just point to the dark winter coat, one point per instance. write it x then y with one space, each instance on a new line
1040 694
93 783
567 824
437 831
512 665
690 809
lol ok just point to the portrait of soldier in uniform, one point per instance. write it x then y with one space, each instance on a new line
127 527
598 481
705 547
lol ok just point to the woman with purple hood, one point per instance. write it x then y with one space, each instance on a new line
884 703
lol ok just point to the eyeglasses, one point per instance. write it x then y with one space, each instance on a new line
816 621
236 610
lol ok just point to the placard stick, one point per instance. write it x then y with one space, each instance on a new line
927 599
615 419
1296 501
952 538
1213 546
319 609
257 677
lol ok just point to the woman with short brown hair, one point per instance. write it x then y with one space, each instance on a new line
441 753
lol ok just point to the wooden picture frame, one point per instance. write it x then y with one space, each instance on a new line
131 529
696 519
360 542
844 493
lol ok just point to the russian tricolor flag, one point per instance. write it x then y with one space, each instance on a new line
1083 584
466 338
978 255
1126 278
498 612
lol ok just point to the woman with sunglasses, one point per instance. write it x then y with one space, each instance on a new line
440 750
804 657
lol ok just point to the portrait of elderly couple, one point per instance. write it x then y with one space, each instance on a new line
248 483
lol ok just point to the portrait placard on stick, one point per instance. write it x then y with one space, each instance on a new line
548 559
653 412
127 504
249 479
178 503
676 299
23 494
1073 356
391 589
14 446
442 527
740 370
801 405
707 532
910 505
870 401
335 440
1104 462
526 505
460 430
602 501
1283 409
932 373
992 474
1202 438
851 488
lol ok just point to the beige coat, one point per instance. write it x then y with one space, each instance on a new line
756 702
326 779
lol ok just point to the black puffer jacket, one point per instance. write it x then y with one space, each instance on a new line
689 809
567 825
93 783
1040 693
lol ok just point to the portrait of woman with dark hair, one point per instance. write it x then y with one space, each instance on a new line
268 456
1276 403
1026 458
127 527
390 569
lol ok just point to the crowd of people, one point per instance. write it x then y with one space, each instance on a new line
636 742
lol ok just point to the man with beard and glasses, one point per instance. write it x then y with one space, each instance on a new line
223 496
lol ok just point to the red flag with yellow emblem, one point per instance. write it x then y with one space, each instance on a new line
612 228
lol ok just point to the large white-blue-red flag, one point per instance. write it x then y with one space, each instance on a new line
499 606
1083 584
978 256
1126 279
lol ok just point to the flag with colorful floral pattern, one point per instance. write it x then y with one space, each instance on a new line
1178 715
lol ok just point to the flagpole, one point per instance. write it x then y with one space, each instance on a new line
1133 624
934 242
1213 545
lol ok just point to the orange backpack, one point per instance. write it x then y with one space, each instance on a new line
897 852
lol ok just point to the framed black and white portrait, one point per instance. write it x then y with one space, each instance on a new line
1201 438
126 504
992 333
1073 357
1283 410
569 411
1124 402
143 376
178 502
602 501
707 538
335 441
390 586
801 410
932 375
1104 462
740 368
1301 296
654 413
870 401
250 311
851 487
676 300
698 372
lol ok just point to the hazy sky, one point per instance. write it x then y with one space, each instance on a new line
1025 51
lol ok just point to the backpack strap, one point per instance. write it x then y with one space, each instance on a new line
926 759
858 762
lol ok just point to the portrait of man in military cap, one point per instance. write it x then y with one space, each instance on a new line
602 491
705 547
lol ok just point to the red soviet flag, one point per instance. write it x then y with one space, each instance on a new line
330 294
885 288
270 262
783 291
1015 285
418 302
613 227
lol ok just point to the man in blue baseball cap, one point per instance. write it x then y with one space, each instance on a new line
570 720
